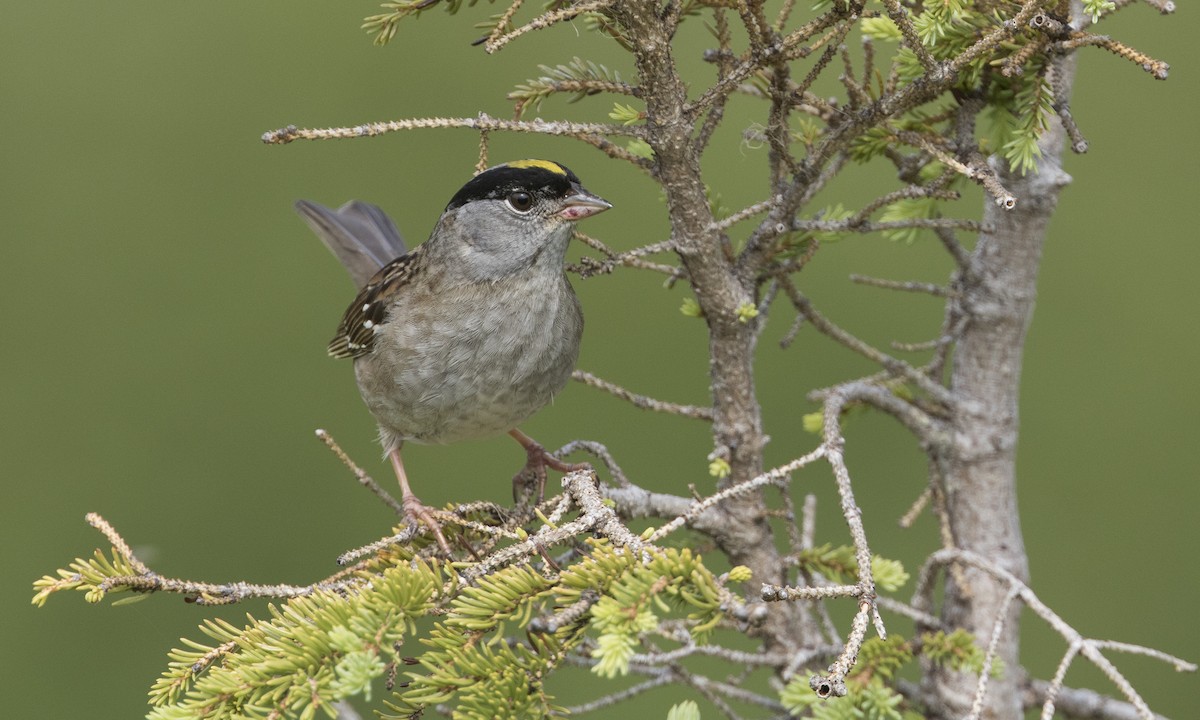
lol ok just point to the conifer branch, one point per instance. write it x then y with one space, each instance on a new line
291 133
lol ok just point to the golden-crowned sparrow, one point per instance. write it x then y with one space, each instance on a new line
476 329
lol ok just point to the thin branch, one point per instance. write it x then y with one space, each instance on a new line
574 613
757 60
1089 648
892 365
563 128
905 286
903 20
723 57
596 516
1081 704
743 214
588 267
989 657
1056 682
504 22
545 20
769 477
908 611
1157 68
905 193
839 226
914 511
979 172
930 431
642 401
361 474
114 538
833 683
614 698
734 657
599 451
776 593
807 541
204 593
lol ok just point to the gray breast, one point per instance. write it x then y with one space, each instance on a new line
472 362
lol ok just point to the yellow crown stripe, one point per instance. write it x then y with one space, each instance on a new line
543 164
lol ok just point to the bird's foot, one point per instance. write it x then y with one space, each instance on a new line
417 512
532 477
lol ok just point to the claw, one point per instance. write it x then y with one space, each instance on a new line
536 462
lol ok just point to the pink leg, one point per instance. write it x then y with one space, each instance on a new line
414 509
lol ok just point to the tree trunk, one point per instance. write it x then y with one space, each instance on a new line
979 471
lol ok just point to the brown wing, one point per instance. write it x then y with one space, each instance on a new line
356 334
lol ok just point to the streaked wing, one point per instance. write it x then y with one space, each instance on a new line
356 334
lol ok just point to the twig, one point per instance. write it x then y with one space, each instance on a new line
776 593
588 267
892 365
930 431
903 20
757 60
906 193
743 214
359 473
405 536
977 171
114 538
1081 703
614 698
910 516
769 477
910 612
595 516
808 532
545 20
203 593
989 657
793 330
922 346
905 286
642 401
574 613
848 226
501 24
600 451
290 133
1076 643
734 657
833 683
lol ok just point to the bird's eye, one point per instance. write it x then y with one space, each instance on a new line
520 201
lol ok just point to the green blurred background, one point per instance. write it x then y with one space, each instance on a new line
165 315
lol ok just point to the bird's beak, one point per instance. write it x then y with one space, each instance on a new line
583 204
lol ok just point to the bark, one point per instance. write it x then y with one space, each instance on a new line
998 290
746 536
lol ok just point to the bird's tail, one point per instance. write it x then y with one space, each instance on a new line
362 237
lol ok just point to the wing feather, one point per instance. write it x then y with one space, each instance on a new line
365 316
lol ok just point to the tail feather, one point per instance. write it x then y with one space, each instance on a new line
359 234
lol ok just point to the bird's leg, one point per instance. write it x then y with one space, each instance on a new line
537 460
414 509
